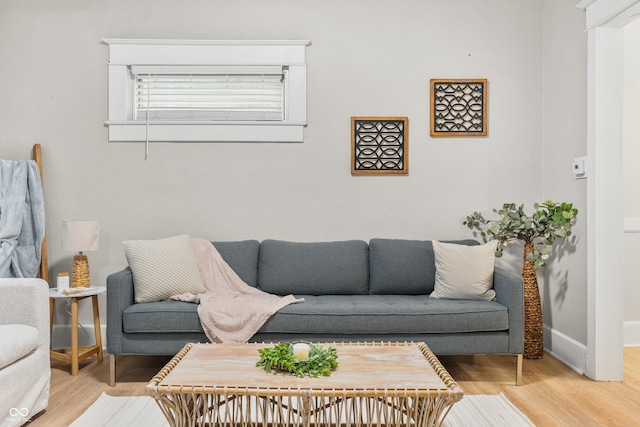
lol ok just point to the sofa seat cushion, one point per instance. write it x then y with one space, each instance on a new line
161 317
338 314
387 314
17 341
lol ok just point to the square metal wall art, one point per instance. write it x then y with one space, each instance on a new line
379 145
459 107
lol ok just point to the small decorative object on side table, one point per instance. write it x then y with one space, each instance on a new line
80 236
75 354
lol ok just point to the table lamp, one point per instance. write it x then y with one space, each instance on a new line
80 236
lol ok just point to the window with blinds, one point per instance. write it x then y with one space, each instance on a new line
209 94
168 90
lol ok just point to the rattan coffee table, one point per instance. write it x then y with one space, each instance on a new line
391 384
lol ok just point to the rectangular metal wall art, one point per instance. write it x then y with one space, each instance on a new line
459 107
379 145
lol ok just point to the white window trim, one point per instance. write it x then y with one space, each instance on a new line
124 53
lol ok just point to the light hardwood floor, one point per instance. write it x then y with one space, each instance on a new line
551 394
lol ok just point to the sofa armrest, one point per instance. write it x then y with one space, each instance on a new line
119 297
509 289
26 302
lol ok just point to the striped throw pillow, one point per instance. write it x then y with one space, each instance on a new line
162 268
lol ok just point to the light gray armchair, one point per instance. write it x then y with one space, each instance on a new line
25 370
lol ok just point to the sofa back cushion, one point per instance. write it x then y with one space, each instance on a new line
403 267
242 257
319 268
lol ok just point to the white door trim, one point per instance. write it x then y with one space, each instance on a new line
604 189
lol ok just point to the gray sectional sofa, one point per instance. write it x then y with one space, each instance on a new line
353 291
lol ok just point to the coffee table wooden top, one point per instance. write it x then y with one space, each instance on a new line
361 366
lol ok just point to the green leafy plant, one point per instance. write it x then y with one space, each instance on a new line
280 358
548 222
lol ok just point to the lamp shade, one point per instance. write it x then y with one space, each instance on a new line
80 236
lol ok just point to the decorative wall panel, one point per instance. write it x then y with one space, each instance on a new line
459 107
379 145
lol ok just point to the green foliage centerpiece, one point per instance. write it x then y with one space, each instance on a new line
538 231
281 358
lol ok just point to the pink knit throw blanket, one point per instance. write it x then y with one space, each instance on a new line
230 311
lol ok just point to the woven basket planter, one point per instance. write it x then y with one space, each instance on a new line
533 338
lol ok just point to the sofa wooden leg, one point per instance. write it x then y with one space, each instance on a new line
519 370
112 370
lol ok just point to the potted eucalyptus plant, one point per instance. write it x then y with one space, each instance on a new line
538 231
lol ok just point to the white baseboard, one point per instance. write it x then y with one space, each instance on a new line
631 333
565 349
574 354
61 336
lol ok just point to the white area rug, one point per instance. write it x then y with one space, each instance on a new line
142 411
486 410
134 411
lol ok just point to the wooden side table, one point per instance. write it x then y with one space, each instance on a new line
75 354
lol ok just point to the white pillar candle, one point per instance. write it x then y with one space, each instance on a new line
301 351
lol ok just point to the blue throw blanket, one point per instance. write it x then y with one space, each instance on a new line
21 218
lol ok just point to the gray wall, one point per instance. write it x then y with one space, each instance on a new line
367 58
564 70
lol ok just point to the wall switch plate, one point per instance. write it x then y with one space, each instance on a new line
579 168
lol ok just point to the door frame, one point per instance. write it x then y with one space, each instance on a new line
605 21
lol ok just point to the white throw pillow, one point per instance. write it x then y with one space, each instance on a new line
464 272
162 268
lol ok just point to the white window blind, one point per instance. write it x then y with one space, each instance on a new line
209 93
